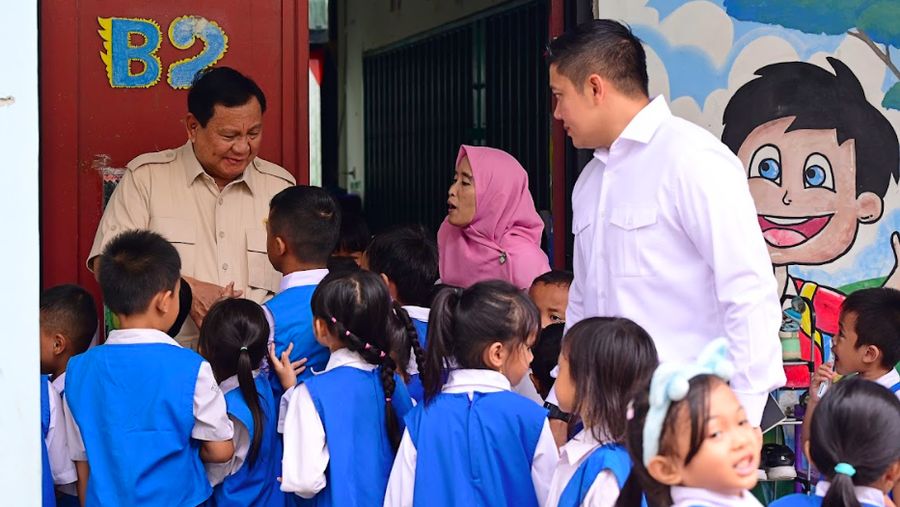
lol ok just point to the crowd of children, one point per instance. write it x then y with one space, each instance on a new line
376 385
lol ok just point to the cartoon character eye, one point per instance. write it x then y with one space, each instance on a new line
766 163
817 172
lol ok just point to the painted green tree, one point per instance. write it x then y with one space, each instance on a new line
875 22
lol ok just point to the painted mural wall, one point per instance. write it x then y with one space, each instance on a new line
807 94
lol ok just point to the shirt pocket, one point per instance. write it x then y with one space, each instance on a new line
260 273
630 235
181 233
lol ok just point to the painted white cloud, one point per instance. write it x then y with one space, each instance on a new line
702 25
656 70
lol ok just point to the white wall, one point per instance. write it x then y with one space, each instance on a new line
20 461
365 25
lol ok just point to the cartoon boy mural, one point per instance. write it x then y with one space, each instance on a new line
819 160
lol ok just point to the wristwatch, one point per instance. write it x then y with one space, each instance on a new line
556 413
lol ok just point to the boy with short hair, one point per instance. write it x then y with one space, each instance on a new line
550 293
147 411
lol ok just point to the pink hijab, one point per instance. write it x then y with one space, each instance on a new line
504 239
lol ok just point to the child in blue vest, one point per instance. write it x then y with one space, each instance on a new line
855 443
604 361
690 442
342 426
302 230
407 260
233 339
68 323
143 413
473 441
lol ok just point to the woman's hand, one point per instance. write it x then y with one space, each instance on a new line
286 370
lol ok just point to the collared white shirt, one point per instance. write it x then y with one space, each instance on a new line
289 281
211 422
889 380
61 467
403 474
306 453
696 497
603 492
666 235
217 472
864 494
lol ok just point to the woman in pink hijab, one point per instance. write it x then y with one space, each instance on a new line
492 230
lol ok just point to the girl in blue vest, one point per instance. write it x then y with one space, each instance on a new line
233 339
690 442
473 441
855 443
604 361
342 426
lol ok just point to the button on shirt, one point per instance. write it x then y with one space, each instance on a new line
220 235
666 235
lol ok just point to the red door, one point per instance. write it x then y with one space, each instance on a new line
107 96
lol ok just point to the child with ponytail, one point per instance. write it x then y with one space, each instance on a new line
342 426
233 339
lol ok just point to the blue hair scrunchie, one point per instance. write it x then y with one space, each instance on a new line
845 469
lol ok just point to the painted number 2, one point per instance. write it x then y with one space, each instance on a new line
130 41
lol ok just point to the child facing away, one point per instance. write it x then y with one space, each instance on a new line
302 230
234 339
135 437
690 441
473 441
604 362
68 323
860 464
342 426
407 260
550 293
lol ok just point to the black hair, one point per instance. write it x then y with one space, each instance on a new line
221 86
341 264
70 311
819 100
610 359
555 277
134 267
877 313
463 323
604 47
185 300
843 430
356 307
234 338
409 258
308 220
546 356
405 340
354 235
697 405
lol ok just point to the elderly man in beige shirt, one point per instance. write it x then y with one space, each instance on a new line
209 198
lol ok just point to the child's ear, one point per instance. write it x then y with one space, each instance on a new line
280 246
494 356
665 469
392 287
892 475
60 343
869 207
872 354
165 301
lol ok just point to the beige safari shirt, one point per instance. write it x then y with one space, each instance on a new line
220 235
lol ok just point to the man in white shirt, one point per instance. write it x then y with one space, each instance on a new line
665 227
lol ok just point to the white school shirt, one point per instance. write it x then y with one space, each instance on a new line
696 497
603 492
402 483
289 281
306 453
666 235
418 313
61 467
864 494
217 472
211 421
889 380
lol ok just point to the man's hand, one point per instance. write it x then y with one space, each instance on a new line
207 294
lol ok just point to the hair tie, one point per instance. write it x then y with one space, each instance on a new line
381 355
388 400
671 383
333 320
368 346
243 348
845 469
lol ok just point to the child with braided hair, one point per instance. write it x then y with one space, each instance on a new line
357 398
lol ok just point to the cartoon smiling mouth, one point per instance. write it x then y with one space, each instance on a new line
786 232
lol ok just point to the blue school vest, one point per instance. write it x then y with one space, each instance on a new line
476 452
801 500
254 483
292 313
414 386
134 406
48 494
350 403
895 388
612 457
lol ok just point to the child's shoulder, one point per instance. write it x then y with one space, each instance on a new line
798 500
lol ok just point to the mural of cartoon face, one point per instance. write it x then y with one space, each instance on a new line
804 186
